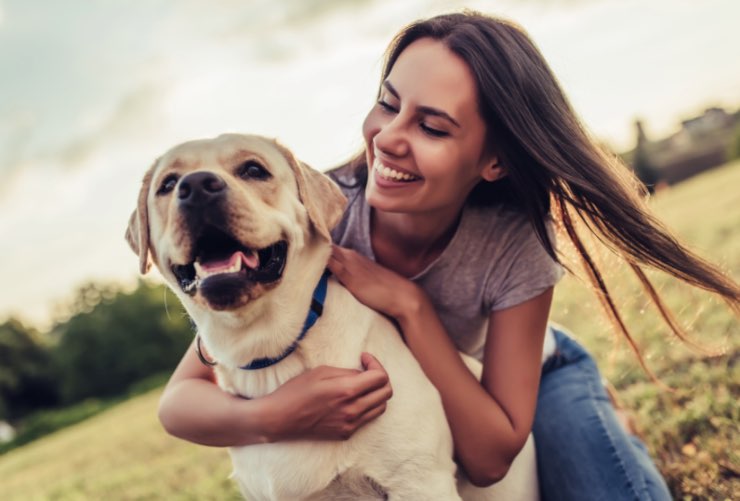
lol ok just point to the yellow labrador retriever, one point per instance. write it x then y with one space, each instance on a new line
240 230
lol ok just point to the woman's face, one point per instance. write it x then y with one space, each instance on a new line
424 136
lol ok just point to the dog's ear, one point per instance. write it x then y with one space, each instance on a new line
321 197
324 201
137 233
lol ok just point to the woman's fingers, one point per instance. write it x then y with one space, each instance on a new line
357 412
371 400
337 264
373 378
339 253
348 264
371 413
369 362
332 402
330 372
361 397
370 283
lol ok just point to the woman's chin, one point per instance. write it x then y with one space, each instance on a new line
381 199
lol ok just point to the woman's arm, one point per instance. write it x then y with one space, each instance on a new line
490 420
322 403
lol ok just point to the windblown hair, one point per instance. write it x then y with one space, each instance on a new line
553 166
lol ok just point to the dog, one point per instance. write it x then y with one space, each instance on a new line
239 229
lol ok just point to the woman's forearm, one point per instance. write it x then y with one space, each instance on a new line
198 410
486 440
324 403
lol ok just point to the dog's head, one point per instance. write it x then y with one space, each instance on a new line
221 218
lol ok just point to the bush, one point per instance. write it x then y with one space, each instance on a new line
734 149
26 373
115 339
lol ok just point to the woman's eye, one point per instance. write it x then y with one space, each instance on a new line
168 184
252 170
432 131
387 107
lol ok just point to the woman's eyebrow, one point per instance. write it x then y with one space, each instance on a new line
427 110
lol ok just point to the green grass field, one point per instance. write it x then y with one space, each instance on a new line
692 431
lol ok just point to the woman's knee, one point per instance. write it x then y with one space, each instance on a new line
582 450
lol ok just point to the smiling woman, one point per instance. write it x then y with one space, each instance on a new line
501 145
426 145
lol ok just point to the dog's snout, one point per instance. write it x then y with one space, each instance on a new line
199 188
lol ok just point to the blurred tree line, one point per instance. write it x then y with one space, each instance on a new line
733 152
108 340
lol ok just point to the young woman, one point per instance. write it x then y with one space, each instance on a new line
471 151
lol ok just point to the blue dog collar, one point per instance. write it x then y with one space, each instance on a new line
317 308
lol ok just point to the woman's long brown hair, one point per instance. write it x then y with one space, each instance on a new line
554 167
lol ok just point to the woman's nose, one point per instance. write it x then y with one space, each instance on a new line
391 139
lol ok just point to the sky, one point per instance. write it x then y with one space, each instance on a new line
92 91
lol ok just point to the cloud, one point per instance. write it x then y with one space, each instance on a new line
262 30
134 117
133 121
15 134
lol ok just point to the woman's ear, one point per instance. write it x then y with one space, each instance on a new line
493 170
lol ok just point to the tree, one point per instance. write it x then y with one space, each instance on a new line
734 149
26 372
115 338
641 163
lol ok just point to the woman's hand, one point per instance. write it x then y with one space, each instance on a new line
328 402
375 286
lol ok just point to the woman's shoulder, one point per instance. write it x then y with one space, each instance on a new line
505 235
498 224
516 264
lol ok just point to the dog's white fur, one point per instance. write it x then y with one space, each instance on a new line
407 452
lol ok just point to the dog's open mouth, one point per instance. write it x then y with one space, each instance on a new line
221 259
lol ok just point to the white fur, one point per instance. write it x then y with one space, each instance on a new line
406 453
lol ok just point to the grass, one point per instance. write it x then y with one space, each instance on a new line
122 452
692 431
45 422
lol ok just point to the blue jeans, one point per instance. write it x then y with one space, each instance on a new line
583 452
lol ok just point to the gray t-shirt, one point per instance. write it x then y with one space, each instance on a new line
494 261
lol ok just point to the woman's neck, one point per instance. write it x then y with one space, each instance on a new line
408 243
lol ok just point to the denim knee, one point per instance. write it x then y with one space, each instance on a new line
582 450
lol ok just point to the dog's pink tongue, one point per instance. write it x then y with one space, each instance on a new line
251 261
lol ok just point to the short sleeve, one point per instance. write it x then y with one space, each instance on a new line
352 193
524 271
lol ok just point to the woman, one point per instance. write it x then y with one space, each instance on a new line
470 143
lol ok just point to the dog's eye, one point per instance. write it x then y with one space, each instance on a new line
252 170
168 184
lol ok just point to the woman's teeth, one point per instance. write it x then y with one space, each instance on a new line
393 175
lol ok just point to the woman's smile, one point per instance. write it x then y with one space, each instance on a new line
391 176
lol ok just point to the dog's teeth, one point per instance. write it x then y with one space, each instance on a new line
234 266
199 271
190 286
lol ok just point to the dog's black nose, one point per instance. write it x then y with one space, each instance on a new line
199 188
